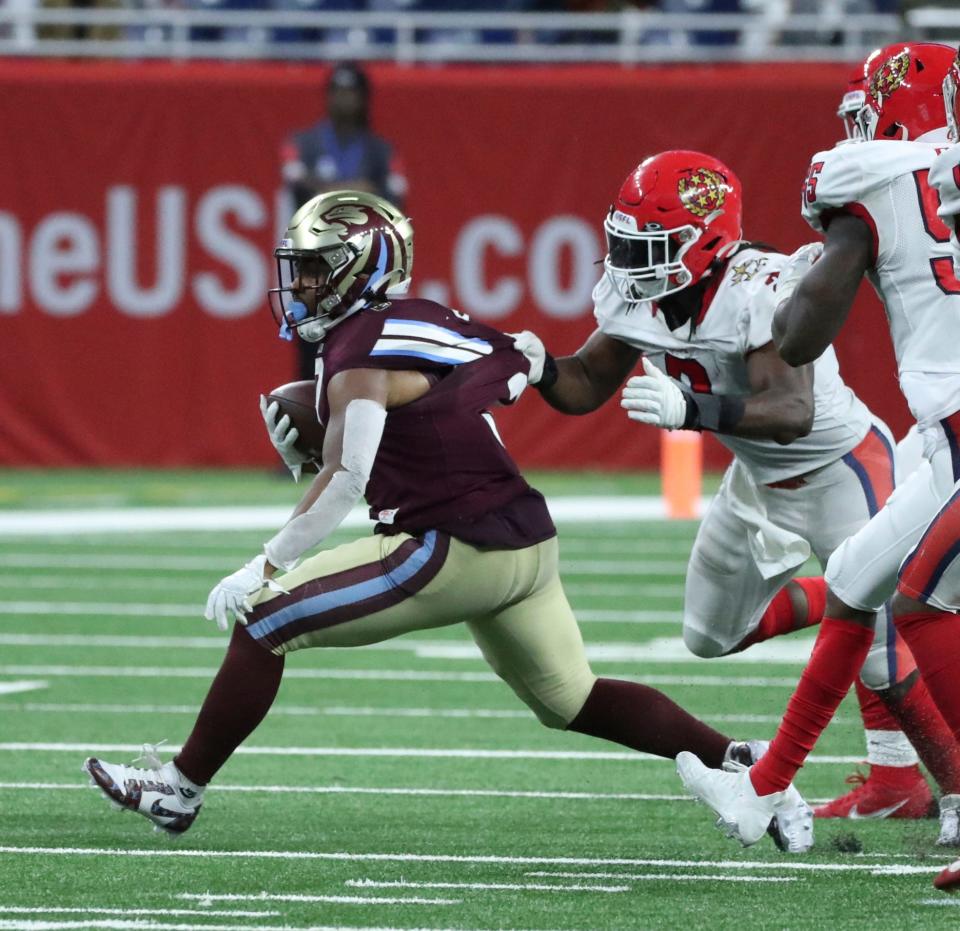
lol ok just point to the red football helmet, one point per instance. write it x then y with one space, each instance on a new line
909 89
675 213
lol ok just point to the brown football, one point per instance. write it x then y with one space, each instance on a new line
297 400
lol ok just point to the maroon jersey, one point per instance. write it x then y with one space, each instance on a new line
441 465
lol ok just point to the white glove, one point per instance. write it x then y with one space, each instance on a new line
536 353
798 264
232 594
654 398
283 437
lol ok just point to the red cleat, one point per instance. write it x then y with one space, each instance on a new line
949 879
888 792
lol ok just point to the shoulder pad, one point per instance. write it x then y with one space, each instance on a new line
848 174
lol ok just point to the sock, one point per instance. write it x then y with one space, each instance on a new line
934 641
190 792
839 652
926 729
887 745
643 718
782 616
239 697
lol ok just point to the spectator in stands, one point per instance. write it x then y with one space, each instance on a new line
341 152
61 31
308 34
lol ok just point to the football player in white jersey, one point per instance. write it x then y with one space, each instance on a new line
930 575
811 464
873 202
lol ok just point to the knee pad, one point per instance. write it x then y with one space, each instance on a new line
557 706
702 644
875 672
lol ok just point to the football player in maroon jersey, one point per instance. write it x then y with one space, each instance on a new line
405 389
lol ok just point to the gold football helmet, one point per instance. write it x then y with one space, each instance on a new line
343 251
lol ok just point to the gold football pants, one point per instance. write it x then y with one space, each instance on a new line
379 587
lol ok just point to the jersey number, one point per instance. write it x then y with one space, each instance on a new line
929 198
690 371
810 182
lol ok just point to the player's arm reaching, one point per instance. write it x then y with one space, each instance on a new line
580 383
819 292
358 400
780 406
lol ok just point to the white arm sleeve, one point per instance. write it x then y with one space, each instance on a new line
362 430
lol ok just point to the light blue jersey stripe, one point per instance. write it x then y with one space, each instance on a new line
327 601
433 357
439 330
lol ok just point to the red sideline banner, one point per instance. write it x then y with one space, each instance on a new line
139 204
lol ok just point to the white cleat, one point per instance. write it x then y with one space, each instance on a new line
156 792
793 818
949 821
792 825
741 813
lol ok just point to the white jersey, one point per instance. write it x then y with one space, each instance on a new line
945 177
886 184
710 355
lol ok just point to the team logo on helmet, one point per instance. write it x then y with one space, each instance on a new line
346 215
703 191
890 75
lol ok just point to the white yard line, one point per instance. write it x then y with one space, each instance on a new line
136 583
570 509
695 877
379 675
383 752
102 608
204 898
88 910
788 651
493 887
341 711
415 792
207 672
637 590
194 610
620 567
392 791
879 869
14 688
122 562
301 711
140 924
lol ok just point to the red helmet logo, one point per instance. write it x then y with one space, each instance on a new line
890 75
703 191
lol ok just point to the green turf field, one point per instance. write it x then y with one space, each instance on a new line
397 786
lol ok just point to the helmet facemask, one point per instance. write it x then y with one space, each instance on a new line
950 102
647 265
307 300
343 251
849 111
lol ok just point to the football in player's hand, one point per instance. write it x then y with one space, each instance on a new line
297 400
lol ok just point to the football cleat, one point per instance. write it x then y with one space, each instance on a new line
792 824
949 821
741 813
157 792
949 878
887 792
